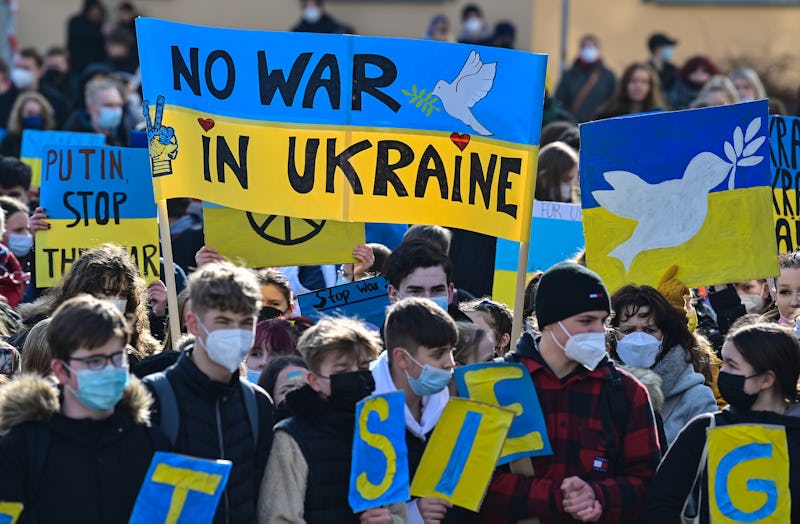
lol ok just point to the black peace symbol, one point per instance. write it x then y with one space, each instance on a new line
295 230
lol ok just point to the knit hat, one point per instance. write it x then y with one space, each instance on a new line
568 289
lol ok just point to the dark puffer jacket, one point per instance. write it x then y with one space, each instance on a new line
214 425
90 471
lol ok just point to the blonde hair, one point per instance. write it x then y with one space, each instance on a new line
751 77
36 354
14 126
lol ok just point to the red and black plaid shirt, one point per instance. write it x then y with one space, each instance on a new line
573 411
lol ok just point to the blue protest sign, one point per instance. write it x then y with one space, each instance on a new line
363 299
33 142
180 489
379 466
508 386
93 195
784 133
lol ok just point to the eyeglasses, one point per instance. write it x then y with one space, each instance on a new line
99 361
17 277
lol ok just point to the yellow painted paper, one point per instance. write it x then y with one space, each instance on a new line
60 246
787 219
256 240
10 510
462 454
487 188
748 474
730 215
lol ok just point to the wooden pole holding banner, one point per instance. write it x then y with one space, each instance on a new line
169 274
519 292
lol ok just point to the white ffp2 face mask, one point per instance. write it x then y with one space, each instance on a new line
228 347
639 349
587 349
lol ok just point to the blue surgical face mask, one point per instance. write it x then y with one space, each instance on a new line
100 389
20 244
32 122
431 381
109 117
253 375
667 53
442 301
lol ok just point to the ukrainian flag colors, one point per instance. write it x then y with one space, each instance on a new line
690 188
95 195
344 128
34 142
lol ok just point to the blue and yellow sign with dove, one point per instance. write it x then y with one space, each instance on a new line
338 127
690 188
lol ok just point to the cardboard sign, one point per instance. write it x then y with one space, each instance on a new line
462 454
784 145
95 195
33 142
556 235
364 299
748 474
181 489
379 467
354 129
690 188
508 386
255 240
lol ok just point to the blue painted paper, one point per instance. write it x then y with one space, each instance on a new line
365 299
556 235
33 141
181 489
93 169
509 386
416 63
379 467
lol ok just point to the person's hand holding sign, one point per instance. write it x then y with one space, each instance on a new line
580 501
207 255
38 221
161 140
157 292
432 509
376 516
363 253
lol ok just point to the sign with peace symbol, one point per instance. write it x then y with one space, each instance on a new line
284 231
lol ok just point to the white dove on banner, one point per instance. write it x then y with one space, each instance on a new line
471 85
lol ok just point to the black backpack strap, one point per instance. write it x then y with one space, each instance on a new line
615 412
167 404
251 405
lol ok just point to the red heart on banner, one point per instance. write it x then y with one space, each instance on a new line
460 140
206 123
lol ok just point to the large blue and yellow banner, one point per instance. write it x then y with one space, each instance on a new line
690 188
379 466
346 128
256 240
94 195
784 134
180 489
462 454
748 474
556 235
34 142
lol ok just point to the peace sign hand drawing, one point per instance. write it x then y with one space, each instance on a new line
161 140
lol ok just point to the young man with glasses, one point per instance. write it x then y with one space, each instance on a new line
80 450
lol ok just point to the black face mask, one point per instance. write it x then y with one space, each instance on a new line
282 411
347 389
731 387
268 313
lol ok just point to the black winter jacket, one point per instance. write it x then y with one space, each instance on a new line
214 425
91 470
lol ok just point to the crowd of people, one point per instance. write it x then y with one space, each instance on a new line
92 383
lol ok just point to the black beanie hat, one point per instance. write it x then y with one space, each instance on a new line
568 289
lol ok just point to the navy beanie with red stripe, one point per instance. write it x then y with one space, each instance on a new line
568 289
